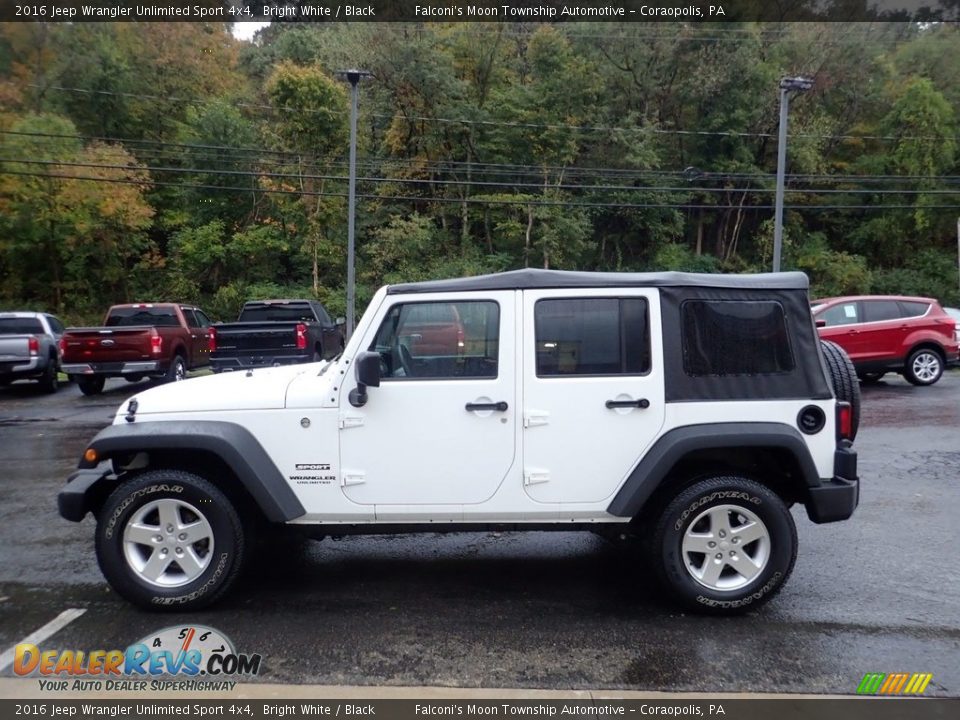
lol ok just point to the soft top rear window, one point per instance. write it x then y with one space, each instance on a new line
723 337
130 316
20 326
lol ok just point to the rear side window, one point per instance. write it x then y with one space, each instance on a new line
735 338
879 310
592 336
842 314
20 326
155 316
202 318
190 317
55 324
913 309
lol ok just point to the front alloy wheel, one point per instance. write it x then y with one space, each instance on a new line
168 543
169 540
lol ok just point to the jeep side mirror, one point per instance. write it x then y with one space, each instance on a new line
340 321
367 369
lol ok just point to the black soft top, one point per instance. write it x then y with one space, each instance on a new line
532 278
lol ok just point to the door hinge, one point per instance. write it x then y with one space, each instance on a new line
352 477
351 421
535 476
532 418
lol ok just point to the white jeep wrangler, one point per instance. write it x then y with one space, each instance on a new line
689 410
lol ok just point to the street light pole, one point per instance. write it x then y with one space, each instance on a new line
787 85
353 77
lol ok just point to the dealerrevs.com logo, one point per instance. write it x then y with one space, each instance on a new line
196 657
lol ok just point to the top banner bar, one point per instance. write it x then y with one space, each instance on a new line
480 10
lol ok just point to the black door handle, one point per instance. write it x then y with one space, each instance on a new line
642 403
498 406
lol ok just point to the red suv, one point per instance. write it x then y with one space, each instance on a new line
891 333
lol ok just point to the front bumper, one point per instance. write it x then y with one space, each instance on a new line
112 369
83 492
836 498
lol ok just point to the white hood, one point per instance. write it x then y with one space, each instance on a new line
261 389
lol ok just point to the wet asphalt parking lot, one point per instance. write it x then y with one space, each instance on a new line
879 593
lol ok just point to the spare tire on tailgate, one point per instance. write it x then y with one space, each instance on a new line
843 377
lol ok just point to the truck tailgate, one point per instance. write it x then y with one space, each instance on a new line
103 344
236 338
14 348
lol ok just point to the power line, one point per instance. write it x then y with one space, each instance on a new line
524 202
470 183
503 123
480 167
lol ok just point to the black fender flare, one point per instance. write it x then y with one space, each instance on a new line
672 446
233 444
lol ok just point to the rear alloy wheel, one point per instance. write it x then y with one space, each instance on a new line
91 385
924 367
169 540
177 370
725 545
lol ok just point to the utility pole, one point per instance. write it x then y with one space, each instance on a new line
353 77
787 85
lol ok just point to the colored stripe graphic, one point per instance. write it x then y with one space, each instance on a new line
894 683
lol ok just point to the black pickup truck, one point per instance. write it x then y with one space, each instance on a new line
275 332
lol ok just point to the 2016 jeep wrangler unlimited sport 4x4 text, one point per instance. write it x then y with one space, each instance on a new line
688 410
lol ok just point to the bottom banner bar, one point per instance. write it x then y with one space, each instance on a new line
781 709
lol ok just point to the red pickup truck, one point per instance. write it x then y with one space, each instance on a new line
161 340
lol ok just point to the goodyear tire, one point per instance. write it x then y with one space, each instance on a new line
843 378
724 545
169 540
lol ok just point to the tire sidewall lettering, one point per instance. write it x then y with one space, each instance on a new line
131 499
743 602
736 491
222 564
707 499
219 512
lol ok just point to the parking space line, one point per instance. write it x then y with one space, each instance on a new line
41 634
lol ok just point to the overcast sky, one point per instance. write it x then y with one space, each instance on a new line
246 30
